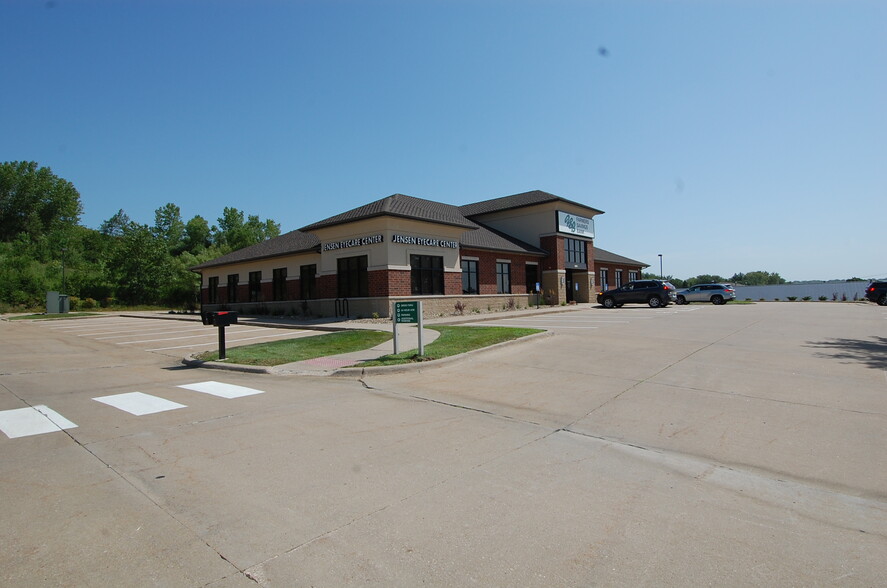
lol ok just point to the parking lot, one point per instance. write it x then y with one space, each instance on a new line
176 338
731 445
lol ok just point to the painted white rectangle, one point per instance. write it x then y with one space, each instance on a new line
221 390
34 420
138 403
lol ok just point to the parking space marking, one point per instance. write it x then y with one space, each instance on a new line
185 337
215 343
221 390
33 420
138 403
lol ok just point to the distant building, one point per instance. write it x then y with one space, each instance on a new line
488 255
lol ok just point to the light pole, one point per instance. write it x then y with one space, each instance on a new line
661 275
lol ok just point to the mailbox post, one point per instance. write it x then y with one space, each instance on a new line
220 319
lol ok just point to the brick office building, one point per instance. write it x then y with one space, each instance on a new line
487 255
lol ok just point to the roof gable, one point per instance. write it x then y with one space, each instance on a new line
399 205
530 198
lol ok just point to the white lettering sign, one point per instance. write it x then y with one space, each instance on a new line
356 242
424 241
575 225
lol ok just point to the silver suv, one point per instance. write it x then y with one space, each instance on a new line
714 293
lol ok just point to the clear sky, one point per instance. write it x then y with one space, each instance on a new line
728 136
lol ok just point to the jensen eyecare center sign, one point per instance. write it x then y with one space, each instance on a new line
357 242
574 224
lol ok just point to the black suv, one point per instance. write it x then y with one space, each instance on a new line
656 293
877 292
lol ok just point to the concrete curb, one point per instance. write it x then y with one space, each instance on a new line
355 372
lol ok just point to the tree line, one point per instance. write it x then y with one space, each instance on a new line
757 278
43 246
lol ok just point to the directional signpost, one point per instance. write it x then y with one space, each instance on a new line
408 312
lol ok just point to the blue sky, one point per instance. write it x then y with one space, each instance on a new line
729 136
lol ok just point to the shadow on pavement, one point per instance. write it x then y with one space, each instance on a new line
872 353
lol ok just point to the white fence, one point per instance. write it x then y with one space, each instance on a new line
831 290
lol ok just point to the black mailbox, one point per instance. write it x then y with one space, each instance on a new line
224 318
207 318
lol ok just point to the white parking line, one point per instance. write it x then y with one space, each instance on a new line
138 403
149 332
33 420
228 341
221 390
176 338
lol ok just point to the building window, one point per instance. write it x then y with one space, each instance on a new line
255 286
426 275
618 278
605 279
233 279
353 279
575 251
308 282
212 293
532 277
469 277
632 276
279 284
503 277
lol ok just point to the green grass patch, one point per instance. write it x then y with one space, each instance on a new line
63 315
280 352
454 340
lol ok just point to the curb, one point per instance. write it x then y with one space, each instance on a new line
356 372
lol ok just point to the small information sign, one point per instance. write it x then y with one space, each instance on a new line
406 312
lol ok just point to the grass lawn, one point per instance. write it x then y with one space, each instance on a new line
454 340
280 352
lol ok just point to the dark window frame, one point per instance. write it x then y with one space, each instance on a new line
426 275
531 276
503 277
212 290
574 250
233 284
470 283
352 277
308 281
255 286
278 284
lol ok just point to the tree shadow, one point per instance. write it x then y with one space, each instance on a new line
872 353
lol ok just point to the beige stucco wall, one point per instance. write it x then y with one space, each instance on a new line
388 254
530 223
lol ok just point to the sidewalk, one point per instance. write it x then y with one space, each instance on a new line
408 339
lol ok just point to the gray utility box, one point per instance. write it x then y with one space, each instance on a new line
57 303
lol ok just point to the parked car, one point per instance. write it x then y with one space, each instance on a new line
714 293
656 293
877 292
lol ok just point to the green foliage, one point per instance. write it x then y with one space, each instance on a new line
758 278
35 202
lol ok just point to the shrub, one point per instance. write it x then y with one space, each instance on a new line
459 307
510 304
834 296
806 298
844 297
823 298
375 315
792 298
73 303
88 304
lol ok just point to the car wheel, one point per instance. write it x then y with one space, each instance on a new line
883 300
717 299
681 300
608 302
654 302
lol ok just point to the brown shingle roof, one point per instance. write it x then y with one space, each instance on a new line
487 238
602 255
292 242
516 201
402 206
